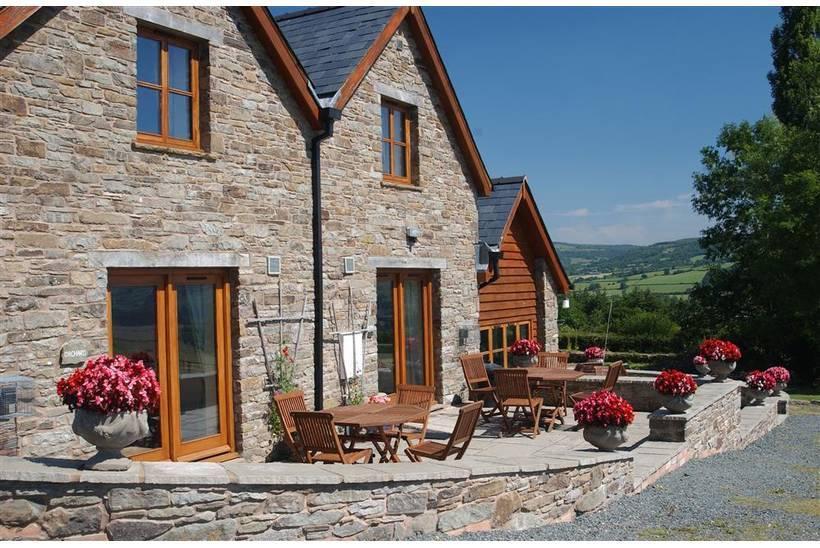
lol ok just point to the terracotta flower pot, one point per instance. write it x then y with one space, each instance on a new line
523 361
110 434
720 370
679 404
605 439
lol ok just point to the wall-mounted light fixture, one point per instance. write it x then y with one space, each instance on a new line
565 303
413 234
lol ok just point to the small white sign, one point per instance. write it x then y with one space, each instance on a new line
352 353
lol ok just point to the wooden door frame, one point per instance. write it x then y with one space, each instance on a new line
173 446
398 276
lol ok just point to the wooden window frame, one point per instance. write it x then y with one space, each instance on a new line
164 138
390 142
216 447
505 344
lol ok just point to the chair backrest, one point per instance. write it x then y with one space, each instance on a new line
475 374
415 394
465 425
285 405
612 375
553 360
512 383
317 432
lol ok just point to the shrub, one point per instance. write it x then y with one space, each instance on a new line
675 383
108 384
603 408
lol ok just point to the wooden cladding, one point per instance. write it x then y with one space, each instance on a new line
512 298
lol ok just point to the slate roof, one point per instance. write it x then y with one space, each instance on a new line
495 209
329 42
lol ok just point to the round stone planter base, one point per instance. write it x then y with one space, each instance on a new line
108 460
523 361
757 397
702 369
778 388
720 371
605 439
677 405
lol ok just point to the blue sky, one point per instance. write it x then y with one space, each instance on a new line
606 109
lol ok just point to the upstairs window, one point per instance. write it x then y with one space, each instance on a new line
396 146
167 90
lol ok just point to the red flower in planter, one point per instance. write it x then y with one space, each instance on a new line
594 353
718 350
108 384
675 383
781 374
525 347
760 380
603 408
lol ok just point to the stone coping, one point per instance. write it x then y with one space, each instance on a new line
56 470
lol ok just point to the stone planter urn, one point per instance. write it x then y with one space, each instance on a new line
679 404
110 434
757 397
523 361
702 369
778 388
605 439
720 370
596 360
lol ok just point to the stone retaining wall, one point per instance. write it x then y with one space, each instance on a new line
638 390
159 501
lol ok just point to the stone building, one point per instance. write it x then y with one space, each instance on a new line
159 170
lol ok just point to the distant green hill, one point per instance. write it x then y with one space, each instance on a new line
669 268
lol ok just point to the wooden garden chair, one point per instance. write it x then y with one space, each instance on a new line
552 360
320 441
459 439
285 405
612 374
478 383
512 387
412 394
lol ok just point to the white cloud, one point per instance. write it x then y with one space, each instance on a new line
580 212
606 234
645 206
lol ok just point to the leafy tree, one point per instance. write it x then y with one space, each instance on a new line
760 185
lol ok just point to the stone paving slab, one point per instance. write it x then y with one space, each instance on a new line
282 473
185 473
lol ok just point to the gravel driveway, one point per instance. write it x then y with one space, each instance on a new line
768 491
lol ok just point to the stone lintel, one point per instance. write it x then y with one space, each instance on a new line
397 95
421 263
183 259
162 18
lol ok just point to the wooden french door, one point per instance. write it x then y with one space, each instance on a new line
404 329
178 322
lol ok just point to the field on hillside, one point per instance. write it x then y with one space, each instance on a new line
667 268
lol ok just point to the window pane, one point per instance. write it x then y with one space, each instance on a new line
385 340
148 60
498 357
524 331
413 332
485 340
134 334
385 122
510 334
179 116
179 68
400 162
398 126
386 157
498 337
148 110
198 389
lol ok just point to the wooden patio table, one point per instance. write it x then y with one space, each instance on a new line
562 376
379 417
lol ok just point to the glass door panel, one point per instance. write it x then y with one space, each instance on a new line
413 332
385 335
197 366
134 334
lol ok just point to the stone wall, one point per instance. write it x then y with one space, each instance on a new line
546 307
638 390
74 183
188 508
367 218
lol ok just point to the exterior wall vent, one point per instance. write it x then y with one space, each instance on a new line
16 395
274 266
349 265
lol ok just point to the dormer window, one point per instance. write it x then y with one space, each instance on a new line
396 143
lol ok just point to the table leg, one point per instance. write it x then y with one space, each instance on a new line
389 451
